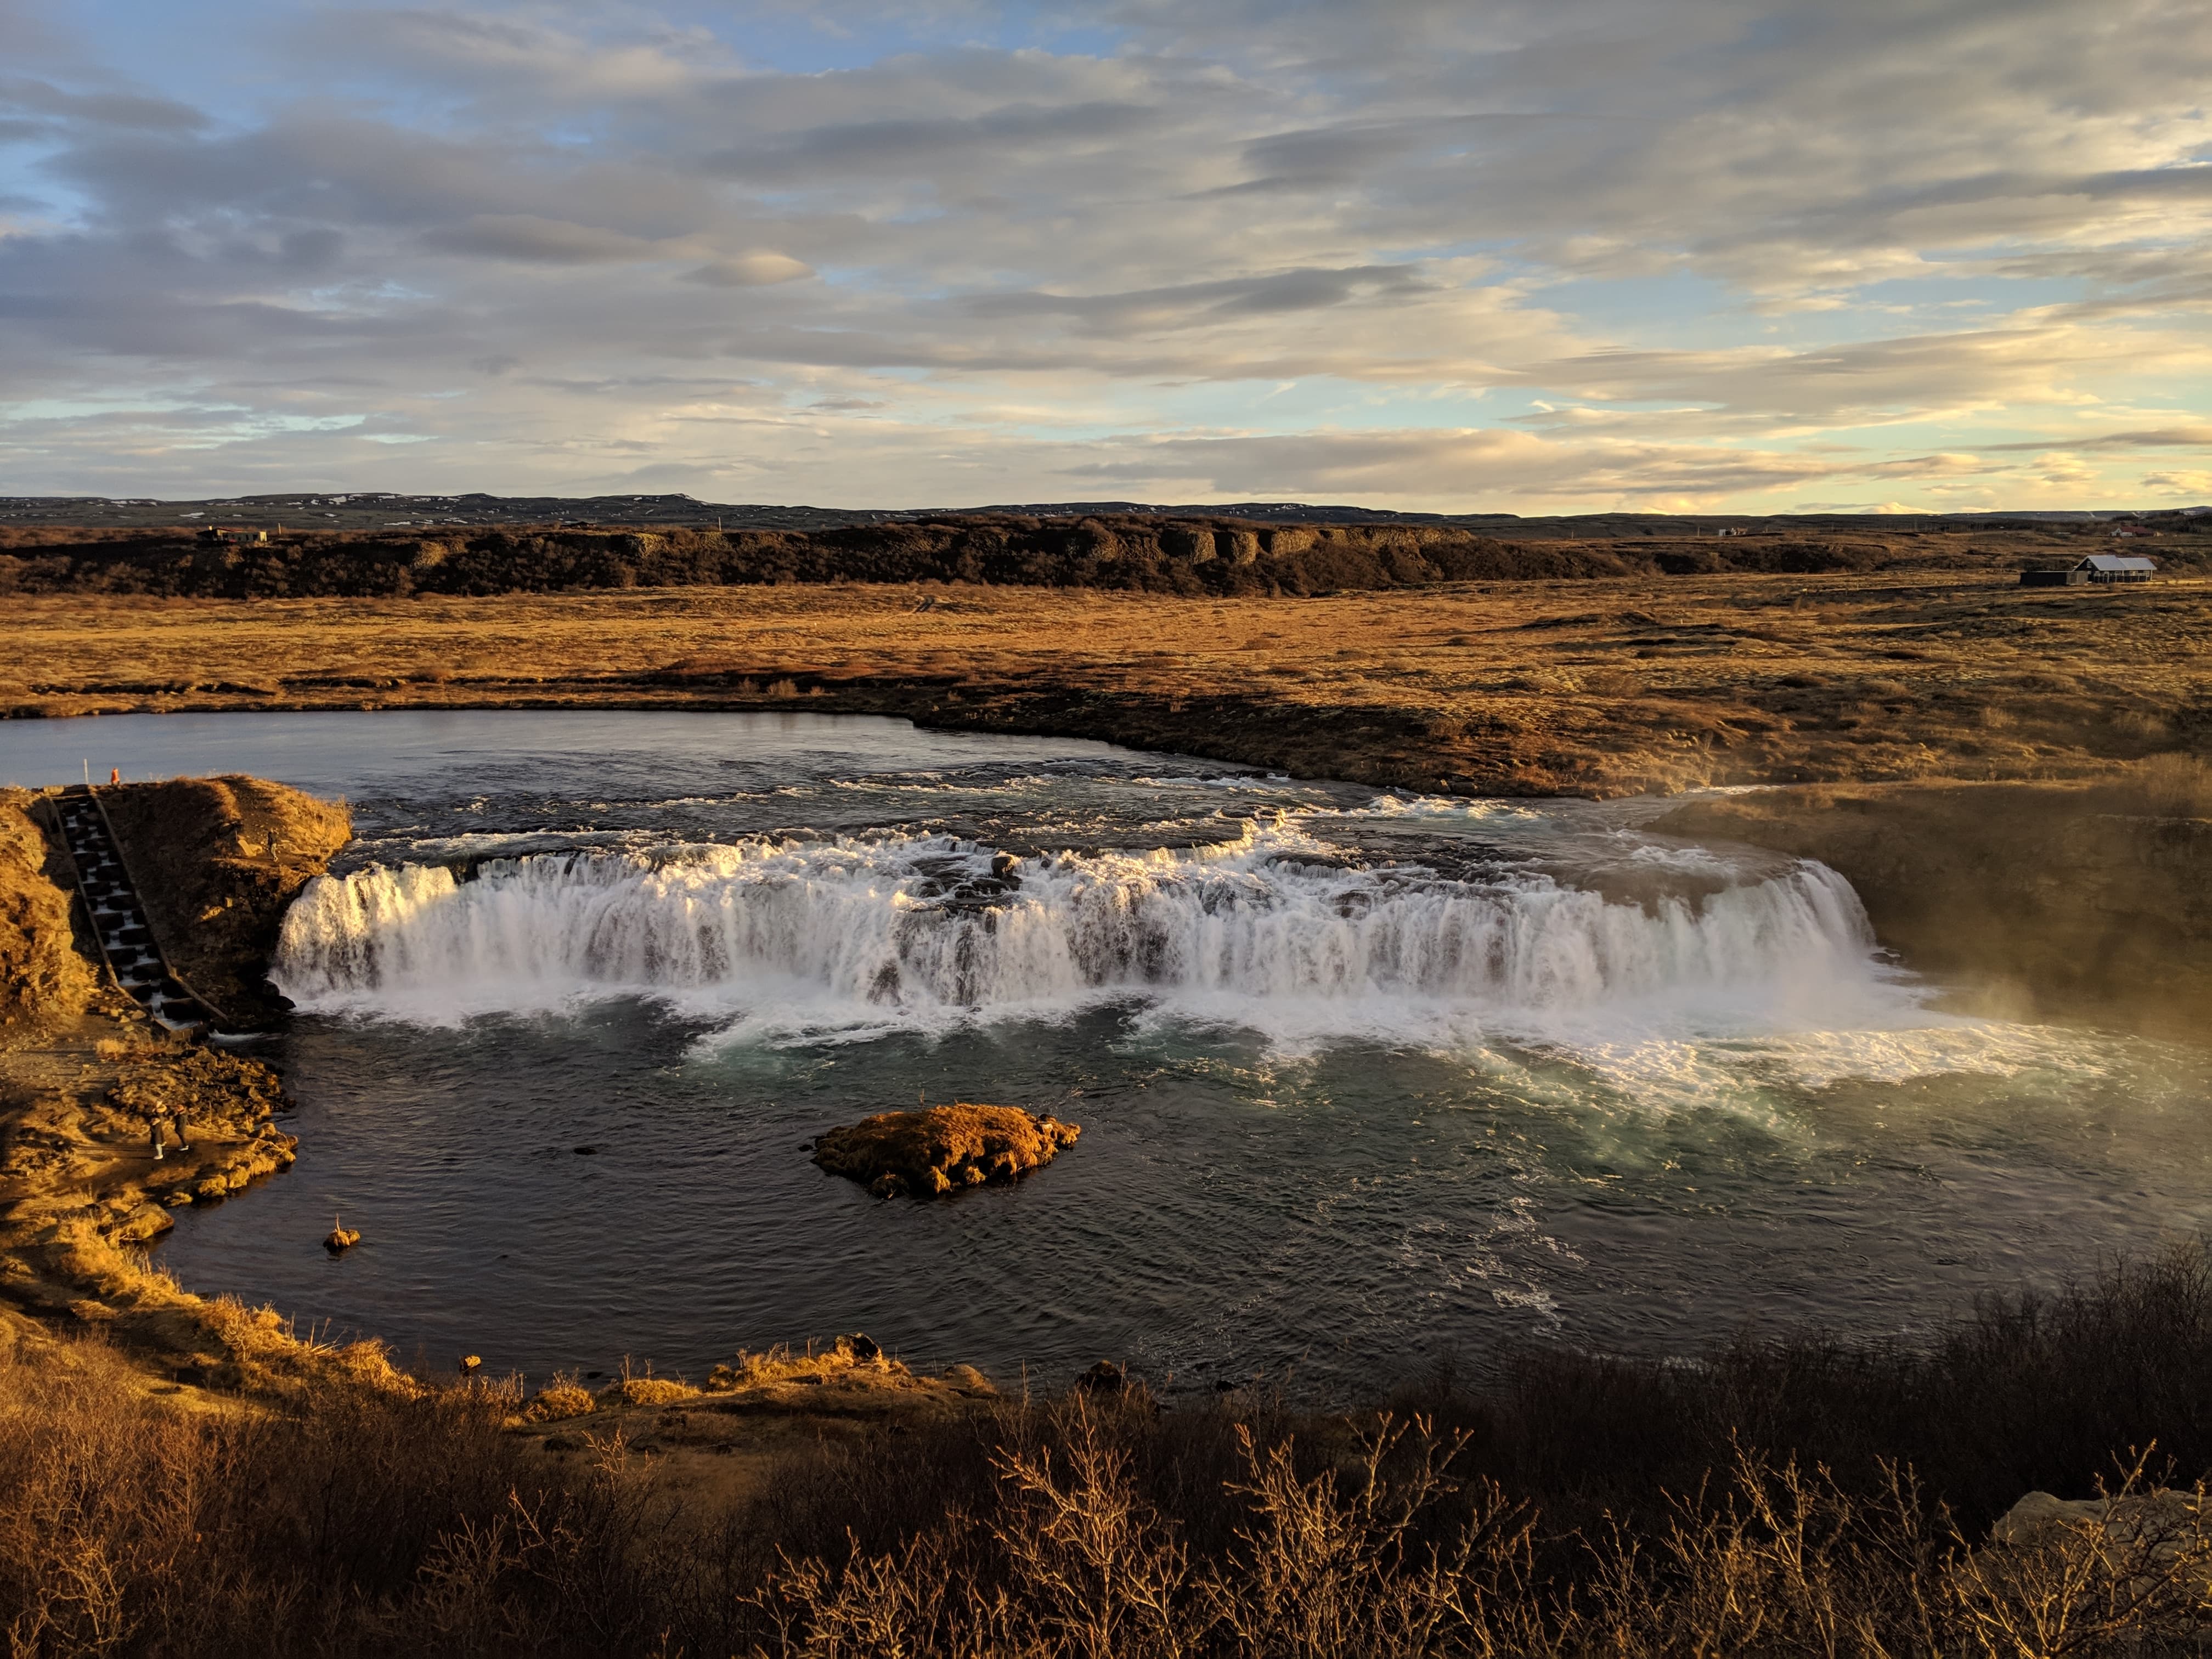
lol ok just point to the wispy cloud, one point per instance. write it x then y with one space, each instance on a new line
1524 255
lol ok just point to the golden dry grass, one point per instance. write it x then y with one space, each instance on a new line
1733 1508
1592 687
43 981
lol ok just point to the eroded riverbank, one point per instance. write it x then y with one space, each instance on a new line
86 1078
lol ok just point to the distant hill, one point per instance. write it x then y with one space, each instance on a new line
382 511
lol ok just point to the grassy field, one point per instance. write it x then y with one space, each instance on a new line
1595 687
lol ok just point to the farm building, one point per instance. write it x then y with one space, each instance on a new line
220 536
2097 567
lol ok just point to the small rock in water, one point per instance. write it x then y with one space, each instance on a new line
1104 1377
341 1237
585 1151
468 1364
921 1154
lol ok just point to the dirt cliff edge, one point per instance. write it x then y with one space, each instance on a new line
44 979
217 860
85 1076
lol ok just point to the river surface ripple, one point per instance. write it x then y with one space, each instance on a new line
1365 1079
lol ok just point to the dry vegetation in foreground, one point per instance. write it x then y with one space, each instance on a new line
1785 1498
1597 687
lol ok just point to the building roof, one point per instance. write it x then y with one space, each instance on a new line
2114 561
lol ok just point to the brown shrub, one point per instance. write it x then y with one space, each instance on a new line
647 1391
1385 1553
2171 787
364 1524
564 1398
1756 1504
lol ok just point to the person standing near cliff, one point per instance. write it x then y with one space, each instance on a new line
175 1117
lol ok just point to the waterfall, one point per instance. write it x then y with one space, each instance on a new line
926 926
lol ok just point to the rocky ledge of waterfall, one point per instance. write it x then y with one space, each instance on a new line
921 1154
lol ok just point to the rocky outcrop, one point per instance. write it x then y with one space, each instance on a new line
921 1154
2153 1547
216 861
2165 1517
221 1100
81 1195
44 980
2044 900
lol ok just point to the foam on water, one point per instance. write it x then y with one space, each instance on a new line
1274 930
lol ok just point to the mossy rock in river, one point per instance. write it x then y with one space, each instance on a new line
923 1154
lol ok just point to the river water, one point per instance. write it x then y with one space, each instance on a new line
1365 1079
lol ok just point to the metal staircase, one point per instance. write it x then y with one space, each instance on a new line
119 920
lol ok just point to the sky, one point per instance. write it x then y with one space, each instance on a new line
1517 256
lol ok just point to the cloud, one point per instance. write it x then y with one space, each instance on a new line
527 236
488 55
2165 437
758 270
2196 484
1190 303
99 109
1505 465
907 147
1624 249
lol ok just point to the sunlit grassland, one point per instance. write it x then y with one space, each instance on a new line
1592 686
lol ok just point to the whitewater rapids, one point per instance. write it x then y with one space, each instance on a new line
922 929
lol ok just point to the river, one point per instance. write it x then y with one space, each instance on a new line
1365 1080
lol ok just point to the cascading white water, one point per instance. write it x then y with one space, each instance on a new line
915 927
